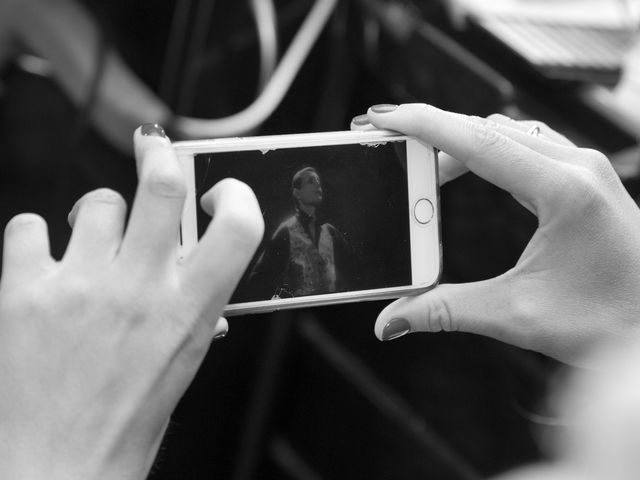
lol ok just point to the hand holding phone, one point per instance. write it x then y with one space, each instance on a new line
577 282
349 216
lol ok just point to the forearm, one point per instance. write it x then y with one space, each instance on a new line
123 102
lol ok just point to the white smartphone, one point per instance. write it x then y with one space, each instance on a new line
349 216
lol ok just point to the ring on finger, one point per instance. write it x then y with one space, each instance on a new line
534 131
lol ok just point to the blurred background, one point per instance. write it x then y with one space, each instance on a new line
312 394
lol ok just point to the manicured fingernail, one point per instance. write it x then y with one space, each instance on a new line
383 108
152 129
360 120
71 217
220 336
397 327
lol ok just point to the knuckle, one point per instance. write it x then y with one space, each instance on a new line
439 317
578 192
166 182
242 226
426 107
27 303
577 189
535 123
586 180
97 290
597 161
499 118
491 125
76 290
593 156
421 111
593 171
73 294
486 137
543 125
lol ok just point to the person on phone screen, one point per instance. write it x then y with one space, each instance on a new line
306 255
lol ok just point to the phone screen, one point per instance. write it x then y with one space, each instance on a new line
336 217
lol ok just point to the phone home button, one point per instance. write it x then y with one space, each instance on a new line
423 211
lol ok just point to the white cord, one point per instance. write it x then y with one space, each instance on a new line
274 91
264 16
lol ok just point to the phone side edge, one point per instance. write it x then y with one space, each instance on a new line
189 220
426 243
268 306
294 140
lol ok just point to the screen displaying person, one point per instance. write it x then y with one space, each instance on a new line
306 255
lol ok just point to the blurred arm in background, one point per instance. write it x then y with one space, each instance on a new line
64 33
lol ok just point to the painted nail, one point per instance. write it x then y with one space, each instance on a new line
152 129
360 120
383 108
220 336
73 213
397 327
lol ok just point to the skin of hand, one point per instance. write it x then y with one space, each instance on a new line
576 284
97 349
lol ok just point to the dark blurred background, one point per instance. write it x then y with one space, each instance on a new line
312 394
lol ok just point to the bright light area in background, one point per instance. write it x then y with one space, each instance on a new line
601 13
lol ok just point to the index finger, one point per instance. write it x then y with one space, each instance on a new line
151 236
448 167
482 148
214 268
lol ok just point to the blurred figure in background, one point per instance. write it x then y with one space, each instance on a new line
66 39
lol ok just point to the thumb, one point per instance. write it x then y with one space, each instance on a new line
479 307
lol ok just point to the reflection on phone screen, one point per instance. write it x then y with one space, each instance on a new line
336 217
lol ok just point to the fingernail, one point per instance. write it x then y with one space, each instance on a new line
383 108
360 120
220 336
152 129
73 213
71 217
397 327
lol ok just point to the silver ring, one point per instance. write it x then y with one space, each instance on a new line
534 131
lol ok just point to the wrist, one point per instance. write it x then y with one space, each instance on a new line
96 456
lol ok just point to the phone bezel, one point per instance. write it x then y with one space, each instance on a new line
425 240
